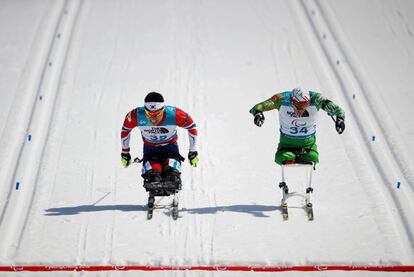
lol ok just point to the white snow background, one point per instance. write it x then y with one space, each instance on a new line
70 71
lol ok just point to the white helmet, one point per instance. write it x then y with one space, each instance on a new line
300 98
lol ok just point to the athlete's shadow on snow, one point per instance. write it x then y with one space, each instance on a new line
93 208
255 210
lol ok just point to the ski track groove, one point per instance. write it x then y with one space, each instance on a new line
184 79
98 101
204 236
81 243
354 154
404 220
29 122
383 124
111 231
198 62
85 218
108 239
109 235
390 150
68 13
23 86
265 12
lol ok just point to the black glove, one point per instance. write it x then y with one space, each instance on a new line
126 159
259 119
193 158
340 125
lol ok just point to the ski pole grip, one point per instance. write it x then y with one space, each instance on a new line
138 160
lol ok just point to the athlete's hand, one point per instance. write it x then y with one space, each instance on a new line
259 119
193 158
340 125
126 159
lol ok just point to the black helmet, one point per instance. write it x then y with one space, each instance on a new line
154 102
154 97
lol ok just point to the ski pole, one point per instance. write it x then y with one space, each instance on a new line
333 119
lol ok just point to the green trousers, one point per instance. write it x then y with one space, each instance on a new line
297 149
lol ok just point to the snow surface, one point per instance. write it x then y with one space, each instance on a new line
71 70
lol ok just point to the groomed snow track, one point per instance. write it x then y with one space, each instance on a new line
388 159
40 95
387 162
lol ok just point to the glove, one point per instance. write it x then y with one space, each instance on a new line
259 119
126 159
193 158
340 125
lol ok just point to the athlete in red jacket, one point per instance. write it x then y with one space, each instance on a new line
158 125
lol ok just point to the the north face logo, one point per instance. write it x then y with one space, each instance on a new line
293 114
157 130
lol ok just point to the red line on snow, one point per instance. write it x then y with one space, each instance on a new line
43 268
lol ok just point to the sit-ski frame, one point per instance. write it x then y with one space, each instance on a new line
151 199
285 188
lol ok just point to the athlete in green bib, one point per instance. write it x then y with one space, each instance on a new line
298 110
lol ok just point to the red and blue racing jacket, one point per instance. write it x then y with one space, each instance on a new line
162 134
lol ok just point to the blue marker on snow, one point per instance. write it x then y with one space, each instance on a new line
29 137
373 138
398 184
17 185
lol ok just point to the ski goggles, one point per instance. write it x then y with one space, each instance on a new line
154 114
